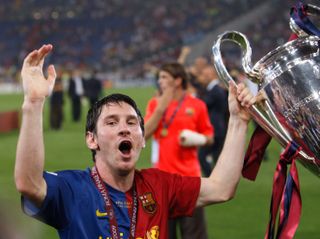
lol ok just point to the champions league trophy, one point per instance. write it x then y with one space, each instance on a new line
289 86
289 81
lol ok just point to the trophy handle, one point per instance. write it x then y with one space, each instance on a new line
243 42
263 115
299 22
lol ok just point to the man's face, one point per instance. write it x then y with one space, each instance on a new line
206 76
200 63
118 137
166 80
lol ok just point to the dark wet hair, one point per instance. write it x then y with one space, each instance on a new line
176 70
95 111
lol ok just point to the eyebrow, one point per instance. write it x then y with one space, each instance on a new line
114 116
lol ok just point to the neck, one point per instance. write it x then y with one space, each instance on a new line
121 181
179 93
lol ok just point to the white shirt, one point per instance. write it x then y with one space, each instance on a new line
78 85
212 84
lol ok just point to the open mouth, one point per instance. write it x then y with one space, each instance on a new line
125 147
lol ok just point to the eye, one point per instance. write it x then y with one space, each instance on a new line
132 122
111 123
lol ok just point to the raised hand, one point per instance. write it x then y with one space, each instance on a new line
35 85
240 99
166 96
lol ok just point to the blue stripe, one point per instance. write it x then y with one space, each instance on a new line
287 202
301 19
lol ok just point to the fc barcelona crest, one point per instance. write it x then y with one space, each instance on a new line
148 203
190 111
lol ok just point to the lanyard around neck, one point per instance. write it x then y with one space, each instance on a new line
115 234
166 124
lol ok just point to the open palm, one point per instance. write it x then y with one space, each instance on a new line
35 85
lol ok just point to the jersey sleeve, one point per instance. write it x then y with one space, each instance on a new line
151 106
56 209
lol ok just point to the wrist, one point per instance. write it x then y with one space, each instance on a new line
32 104
160 110
238 122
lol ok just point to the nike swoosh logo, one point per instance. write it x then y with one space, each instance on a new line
101 214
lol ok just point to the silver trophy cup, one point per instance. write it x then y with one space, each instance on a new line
289 82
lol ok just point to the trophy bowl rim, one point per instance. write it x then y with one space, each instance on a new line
281 48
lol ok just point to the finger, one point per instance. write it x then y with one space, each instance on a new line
232 90
40 63
242 93
240 87
43 52
252 101
30 57
261 96
248 100
51 75
245 96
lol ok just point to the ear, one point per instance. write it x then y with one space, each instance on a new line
91 141
143 142
178 82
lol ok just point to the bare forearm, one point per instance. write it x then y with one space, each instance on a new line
30 151
152 124
230 163
222 183
162 102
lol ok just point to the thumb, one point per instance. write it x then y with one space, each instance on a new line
51 74
232 90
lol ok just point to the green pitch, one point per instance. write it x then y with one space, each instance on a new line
246 216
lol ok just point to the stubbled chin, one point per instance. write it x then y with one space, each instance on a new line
127 162
123 172
126 167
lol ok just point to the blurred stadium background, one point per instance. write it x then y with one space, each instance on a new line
123 40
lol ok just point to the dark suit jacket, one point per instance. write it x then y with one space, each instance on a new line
216 100
72 88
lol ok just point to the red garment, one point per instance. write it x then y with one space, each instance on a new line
192 115
162 196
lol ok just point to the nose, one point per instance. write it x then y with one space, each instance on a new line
124 130
160 79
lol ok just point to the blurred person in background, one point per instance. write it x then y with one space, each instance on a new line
199 64
113 199
193 84
76 92
56 103
216 100
173 119
93 88
194 87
